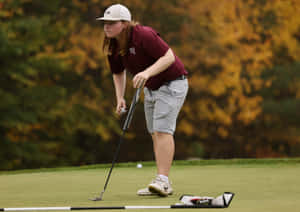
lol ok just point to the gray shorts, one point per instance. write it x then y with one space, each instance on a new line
162 106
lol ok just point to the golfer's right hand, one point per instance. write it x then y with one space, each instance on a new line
121 107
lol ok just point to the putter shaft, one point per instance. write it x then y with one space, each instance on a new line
125 127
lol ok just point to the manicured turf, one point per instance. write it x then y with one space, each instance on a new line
259 185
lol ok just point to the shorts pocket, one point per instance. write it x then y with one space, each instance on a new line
178 88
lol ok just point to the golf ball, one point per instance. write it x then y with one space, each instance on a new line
139 165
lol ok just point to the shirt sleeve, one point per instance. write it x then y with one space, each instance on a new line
115 63
152 43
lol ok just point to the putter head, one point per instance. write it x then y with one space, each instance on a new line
98 198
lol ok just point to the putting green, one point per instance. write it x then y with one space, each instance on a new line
259 185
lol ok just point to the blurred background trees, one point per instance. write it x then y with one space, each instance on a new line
57 97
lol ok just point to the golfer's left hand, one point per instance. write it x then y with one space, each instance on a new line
140 79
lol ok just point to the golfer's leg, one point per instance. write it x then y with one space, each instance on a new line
166 109
164 148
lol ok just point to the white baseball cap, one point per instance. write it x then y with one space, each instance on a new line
116 12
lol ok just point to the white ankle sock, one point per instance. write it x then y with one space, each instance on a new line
164 178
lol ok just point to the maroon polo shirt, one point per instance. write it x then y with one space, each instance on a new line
145 48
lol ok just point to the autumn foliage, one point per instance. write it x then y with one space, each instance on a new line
57 97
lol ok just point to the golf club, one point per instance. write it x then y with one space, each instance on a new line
227 198
125 127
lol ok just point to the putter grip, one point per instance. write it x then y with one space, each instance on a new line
131 109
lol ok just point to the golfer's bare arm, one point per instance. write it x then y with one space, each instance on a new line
120 84
161 64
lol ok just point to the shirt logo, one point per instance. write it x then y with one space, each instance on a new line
132 51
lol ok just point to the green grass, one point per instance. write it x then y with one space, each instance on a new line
259 185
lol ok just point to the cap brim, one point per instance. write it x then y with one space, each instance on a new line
107 19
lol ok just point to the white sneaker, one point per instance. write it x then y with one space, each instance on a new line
160 187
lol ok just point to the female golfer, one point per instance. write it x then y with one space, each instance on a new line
140 50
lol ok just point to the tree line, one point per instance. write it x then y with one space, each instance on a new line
57 97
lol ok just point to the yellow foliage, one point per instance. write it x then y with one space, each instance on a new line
103 132
250 109
223 132
186 128
216 87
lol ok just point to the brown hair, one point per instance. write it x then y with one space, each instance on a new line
110 44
